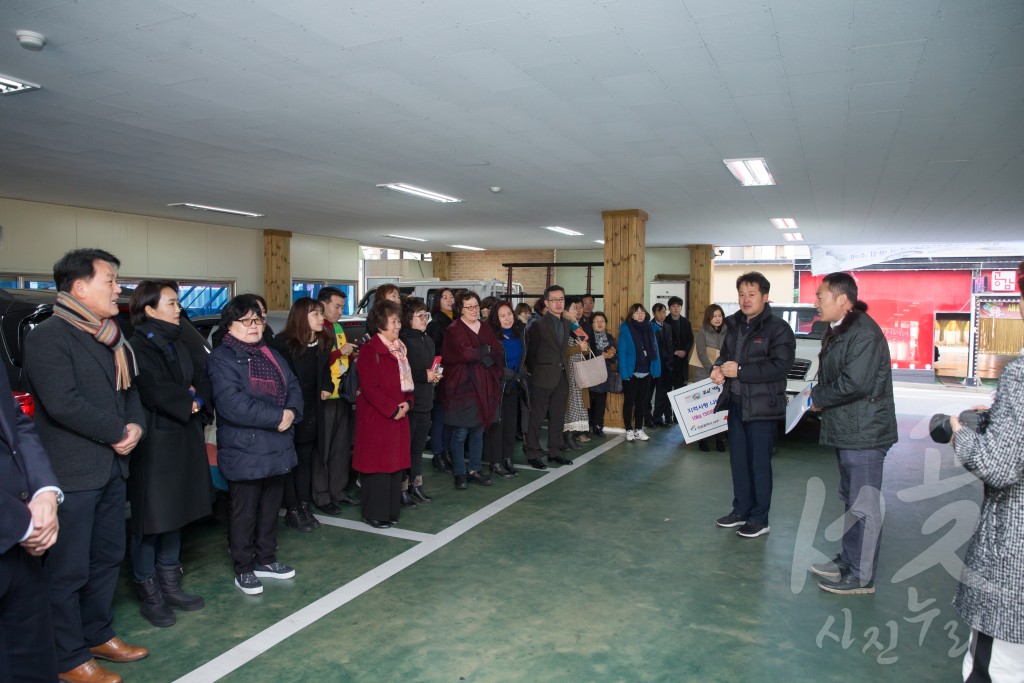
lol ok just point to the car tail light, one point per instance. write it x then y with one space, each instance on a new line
26 402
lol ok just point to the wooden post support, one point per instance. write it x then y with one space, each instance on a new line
277 269
625 238
702 283
442 263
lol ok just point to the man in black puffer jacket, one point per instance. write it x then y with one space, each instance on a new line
858 419
756 357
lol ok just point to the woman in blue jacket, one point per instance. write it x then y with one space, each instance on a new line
638 363
257 399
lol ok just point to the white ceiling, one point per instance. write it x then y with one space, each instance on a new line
884 121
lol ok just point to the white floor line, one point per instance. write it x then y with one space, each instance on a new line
355 525
249 649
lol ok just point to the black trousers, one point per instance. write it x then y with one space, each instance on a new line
500 437
252 533
680 372
660 388
548 403
598 401
298 482
82 568
26 629
330 469
635 398
382 493
419 429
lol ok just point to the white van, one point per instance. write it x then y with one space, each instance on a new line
426 289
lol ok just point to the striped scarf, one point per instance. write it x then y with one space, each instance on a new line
105 331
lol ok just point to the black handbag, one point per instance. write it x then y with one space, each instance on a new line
350 385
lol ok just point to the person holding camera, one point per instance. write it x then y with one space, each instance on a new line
858 418
990 595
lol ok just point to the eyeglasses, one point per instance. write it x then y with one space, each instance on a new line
249 322
471 308
423 316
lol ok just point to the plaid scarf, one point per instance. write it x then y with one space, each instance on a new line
265 375
105 331
397 349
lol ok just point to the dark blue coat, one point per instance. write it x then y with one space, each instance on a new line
248 444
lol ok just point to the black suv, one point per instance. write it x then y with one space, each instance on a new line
23 309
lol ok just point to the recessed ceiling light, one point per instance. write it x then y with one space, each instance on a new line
784 223
419 192
599 241
403 237
217 209
466 246
793 237
563 231
751 172
12 86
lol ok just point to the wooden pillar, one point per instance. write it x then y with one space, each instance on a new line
702 283
277 269
625 238
442 263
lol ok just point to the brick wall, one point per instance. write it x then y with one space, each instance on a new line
484 265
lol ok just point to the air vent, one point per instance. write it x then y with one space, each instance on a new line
799 369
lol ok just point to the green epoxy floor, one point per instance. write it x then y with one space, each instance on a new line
613 572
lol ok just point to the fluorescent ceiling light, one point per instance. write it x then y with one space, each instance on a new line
793 237
217 209
12 86
419 192
599 241
785 223
563 231
750 172
403 237
466 246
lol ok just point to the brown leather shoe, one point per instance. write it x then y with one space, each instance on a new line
90 672
116 650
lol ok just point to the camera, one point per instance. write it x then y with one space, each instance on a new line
942 432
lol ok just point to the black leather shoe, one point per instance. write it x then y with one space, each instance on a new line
598 431
661 423
560 460
498 470
704 446
406 500
509 467
720 445
649 424
460 482
419 495
377 525
537 464
329 509
437 462
345 499
478 478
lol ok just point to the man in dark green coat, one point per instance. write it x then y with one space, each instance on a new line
858 419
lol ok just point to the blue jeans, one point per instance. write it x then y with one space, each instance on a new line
475 437
440 433
750 456
860 473
151 550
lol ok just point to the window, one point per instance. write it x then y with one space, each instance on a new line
11 281
311 288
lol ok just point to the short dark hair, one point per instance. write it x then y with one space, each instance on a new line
709 313
637 307
238 307
462 297
327 292
147 294
571 301
841 283
410 307
80 264
553 288
754 278
595 314
523 307
377 318
588 296
658 307
674 301
490 302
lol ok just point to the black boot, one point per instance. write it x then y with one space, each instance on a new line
293 519
509 467
153 606
418 494
307 515
570 441
437 462
407 500
170 588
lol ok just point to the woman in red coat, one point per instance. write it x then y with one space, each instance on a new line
473 360
382 427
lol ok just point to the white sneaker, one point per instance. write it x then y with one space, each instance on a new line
641 436
629 435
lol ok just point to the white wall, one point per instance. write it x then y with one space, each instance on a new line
36 235
324 258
